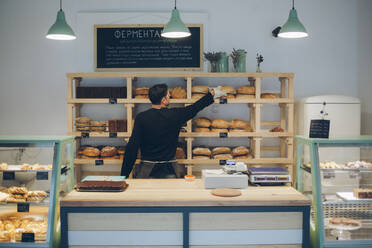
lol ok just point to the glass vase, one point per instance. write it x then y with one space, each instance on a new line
213 66
240 65
223 63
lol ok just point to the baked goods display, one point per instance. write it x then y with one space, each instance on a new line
344 221
221 153
106 152
270 95
3 166
221 125
198 91
276 129
91 152
85 124
178 93
12 226
142 93
101 186
246 90
82 124
362 193
350 165
16 194
25 166
359 164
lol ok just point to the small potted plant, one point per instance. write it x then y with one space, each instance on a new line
259 59
213 58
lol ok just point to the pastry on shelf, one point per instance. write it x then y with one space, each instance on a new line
240 151
17 190
3 166
222 156
200 152
362 193
82 120
330 165
36 195
221 150
270 95
199 89
276 129
12 199
220 130
358 164
202 130
108 151
246 90
142 91
98 126
220 123
142 97
91 152
3 196
25 166
230 92
344 221
178 93
202 122
240 126
245 96
37 167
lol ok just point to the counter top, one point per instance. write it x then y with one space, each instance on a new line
178 192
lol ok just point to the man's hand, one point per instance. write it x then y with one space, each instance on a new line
217 92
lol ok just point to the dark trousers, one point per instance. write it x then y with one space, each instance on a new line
158 170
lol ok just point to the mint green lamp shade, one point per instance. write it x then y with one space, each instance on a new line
60 30
293 28
175 28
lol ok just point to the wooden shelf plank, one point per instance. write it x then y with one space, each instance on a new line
100 134
238 134
179 74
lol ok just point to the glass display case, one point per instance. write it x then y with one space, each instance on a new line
34 173
336 174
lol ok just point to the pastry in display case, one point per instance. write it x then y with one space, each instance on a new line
34 173
340 189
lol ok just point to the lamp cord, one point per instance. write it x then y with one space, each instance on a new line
292 4
60 4
175 4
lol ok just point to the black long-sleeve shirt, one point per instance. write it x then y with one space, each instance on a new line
156 133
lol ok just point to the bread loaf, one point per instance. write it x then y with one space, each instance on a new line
142 91
222 156
270 95
200 89
221 150
82 120
277 129
202 130
201 151
91 152
247 89
239 124
220 130
178 93
239 151
228 89
202 122
243 96
142 96
220 123
98 123
108 151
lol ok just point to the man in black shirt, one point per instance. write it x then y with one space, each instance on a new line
156 132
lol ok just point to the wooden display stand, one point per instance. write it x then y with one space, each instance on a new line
285 102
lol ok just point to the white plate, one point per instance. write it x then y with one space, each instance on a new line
349 196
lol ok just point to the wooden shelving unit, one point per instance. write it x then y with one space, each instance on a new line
285 103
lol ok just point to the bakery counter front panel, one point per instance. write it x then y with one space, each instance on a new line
179 213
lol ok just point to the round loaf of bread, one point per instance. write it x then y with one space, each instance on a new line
202 130
270 95
228 89
221 150
240 150
277 129
200 157
202 122
201 151
245 96
200 89
108 151
222 156
248 156
142 91
178 93
220 123
91 152
197 95
239 124
82 120
180 154
247 89
98 123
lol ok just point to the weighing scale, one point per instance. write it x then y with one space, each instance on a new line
268 176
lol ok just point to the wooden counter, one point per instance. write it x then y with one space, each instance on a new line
176 213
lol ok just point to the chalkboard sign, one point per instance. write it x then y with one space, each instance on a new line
141 47
319 129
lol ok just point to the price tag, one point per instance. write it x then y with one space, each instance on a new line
99 162
23 207
85 135
353 174
223 135
223 101
113 135
319 129
327 174
113 100
222 162
8 175
28 237
42 175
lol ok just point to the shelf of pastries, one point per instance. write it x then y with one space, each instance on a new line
21 194
25 167
85 127
13 224
99 156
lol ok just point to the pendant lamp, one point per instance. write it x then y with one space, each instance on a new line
175 28
60 30
293 28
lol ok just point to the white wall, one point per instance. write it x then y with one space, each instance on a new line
32 68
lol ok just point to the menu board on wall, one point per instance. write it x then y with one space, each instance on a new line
141 47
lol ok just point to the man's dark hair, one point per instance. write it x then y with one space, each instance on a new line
157 92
